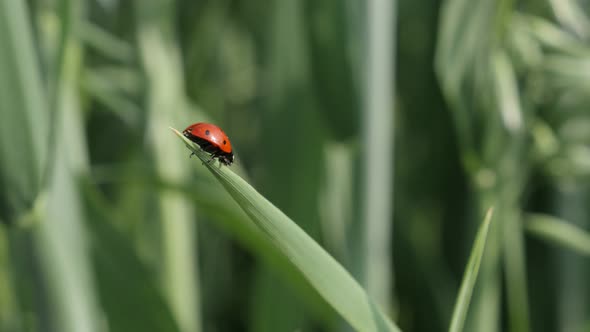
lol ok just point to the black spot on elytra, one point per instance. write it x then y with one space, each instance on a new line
223 142
207 132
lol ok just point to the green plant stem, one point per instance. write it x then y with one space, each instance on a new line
61 235
163 68
378 157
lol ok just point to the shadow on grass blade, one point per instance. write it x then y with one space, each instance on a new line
470 275
322 271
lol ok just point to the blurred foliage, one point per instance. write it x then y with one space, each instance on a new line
107 225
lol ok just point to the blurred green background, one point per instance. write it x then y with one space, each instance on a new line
385 129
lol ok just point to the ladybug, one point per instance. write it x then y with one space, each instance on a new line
212 140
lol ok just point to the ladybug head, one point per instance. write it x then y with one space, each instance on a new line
226 158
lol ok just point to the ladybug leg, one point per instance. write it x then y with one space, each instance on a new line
210 159
213 156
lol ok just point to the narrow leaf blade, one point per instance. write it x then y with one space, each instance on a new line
322 271
556 230
470 275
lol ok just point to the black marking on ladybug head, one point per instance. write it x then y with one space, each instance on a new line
225 158
207 132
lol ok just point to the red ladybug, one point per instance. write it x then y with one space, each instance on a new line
212 140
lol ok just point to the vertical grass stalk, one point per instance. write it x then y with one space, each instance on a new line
378 148
161 62
61 238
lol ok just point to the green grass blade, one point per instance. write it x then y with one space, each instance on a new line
507 94
377 163
558 231
572 16
163 69
322 271
470 275
10 315
508 99
289 79
23 116
553 37
105 43
24 131
69 302
61 234
514 263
